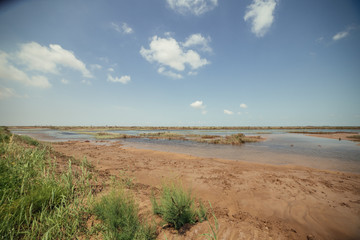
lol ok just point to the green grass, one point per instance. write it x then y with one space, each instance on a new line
213 228
27 140
119 216
177 207
35 202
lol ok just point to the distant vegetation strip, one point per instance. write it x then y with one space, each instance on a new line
164 128
234 139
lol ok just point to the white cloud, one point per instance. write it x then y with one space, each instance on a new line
243 105
191 73
261 14
123 28
197 105
196 7
340 35
198 40
123 79
11 73
95 66
111 70
7 93
167 52
228 112
171 74
48 59
127 29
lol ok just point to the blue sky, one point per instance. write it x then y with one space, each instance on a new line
180 62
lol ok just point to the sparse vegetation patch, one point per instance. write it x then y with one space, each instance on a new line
177 207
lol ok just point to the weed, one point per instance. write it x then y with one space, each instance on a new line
176 206
126 180
119 215
214 229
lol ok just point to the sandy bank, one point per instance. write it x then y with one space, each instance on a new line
339 136
251 201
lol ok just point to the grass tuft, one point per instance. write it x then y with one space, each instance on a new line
176 206
119 215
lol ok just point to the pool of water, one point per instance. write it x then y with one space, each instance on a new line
280 147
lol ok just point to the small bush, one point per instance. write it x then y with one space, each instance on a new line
119 215
177 207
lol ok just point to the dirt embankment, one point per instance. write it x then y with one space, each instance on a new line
251 201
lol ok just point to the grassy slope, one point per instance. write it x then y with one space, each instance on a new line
40 199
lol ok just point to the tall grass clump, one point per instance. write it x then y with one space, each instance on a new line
35 202
177 207
118 213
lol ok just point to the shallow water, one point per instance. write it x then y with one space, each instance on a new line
280 148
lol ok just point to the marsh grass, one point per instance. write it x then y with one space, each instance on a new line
177 207
163 135
35 201
111 135
119 218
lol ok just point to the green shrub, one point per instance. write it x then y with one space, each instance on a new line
119 215
177 207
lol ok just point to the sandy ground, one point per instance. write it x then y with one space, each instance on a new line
340 136
251 201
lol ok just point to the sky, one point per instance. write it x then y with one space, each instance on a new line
180 62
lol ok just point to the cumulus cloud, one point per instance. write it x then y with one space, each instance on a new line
243 105
228 112
11 73
196 7
169 53
49 59
123 28
261 15
199 105
168 73
123 79
198 40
